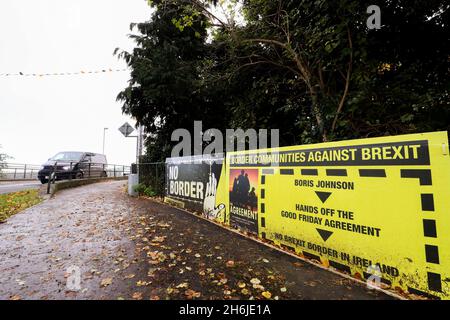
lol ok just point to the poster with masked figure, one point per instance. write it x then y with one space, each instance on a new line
243 199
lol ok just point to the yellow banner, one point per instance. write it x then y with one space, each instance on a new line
375 208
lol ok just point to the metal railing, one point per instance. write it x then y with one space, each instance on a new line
80 170
18 171
152 177
72 170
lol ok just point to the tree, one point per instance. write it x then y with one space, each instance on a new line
309 68
3 158
166 90
398 75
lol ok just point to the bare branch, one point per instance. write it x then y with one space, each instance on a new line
347 82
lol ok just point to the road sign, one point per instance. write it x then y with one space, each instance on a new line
126 129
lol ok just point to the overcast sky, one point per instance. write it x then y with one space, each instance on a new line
40 116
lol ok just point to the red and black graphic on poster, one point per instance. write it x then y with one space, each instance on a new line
243 199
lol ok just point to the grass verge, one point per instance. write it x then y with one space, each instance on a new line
14 202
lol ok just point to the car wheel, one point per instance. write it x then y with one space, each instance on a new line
44 181
79 175
104 174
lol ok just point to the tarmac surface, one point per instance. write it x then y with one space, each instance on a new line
14 186
96 242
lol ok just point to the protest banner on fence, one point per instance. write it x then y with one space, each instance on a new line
369 207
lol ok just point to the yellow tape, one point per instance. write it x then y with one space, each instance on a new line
174 202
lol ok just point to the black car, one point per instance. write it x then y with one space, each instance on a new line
74 165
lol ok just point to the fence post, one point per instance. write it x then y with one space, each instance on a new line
156 186
114 171
15 172
25 171
51 177
55 169
89 169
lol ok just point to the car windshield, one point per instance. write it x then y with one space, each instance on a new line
67 156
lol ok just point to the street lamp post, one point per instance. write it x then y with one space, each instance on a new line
104 131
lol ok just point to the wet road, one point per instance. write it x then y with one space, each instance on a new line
79 229
14 186
127 248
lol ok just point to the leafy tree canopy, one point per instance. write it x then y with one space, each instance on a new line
309 68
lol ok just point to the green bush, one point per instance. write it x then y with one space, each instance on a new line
139 188
149 192
142 189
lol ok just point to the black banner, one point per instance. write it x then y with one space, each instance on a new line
192 180
396 153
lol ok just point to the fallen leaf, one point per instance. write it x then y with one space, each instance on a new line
106 282
141 283
283 289
255 281
151 272
163 225
152 254
15 297
258 286
266 294
190 294
230 263
245 292
137 296
159 239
